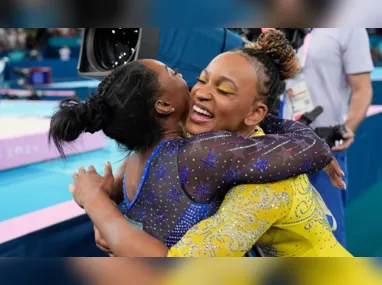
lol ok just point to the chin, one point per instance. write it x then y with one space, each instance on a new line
195 129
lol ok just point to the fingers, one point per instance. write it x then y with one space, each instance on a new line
108 171
75 176
102 245
97 234
81 171
108 180
348 142
334 182
339 183
335 174
344 146
91 168
71 188
100 242
348 135
337 168
106 250
338 148
342 185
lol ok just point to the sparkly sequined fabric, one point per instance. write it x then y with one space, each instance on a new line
285 218
185 180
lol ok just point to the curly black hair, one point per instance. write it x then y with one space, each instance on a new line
275 60
123 108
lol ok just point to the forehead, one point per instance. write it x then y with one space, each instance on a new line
155 65
232 65
160 68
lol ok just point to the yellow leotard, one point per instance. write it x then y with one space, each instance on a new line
285 218
247 271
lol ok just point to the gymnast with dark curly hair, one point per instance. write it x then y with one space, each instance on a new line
173 190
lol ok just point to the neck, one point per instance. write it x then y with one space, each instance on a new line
173 133
247 131
167 134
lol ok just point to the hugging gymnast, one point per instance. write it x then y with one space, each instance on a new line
171 183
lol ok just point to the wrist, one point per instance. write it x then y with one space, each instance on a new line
350 126
99 196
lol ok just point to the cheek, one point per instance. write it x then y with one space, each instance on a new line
182 97
230 112
182 106
193 91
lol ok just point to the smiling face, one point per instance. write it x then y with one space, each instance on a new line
225 97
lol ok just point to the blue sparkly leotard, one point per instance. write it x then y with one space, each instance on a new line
185 180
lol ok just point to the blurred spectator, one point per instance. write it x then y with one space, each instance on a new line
376 52
3 36
297 13
376 45
11 39
250 34
375 32
336 67
37 38
21 38
356 13
65 53
32 38
65 32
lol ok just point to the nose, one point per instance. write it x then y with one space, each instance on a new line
203 94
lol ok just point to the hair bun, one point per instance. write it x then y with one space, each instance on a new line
88 114
277 47
95 111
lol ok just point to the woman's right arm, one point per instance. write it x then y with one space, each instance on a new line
221 160
123 238
92 192
274 125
